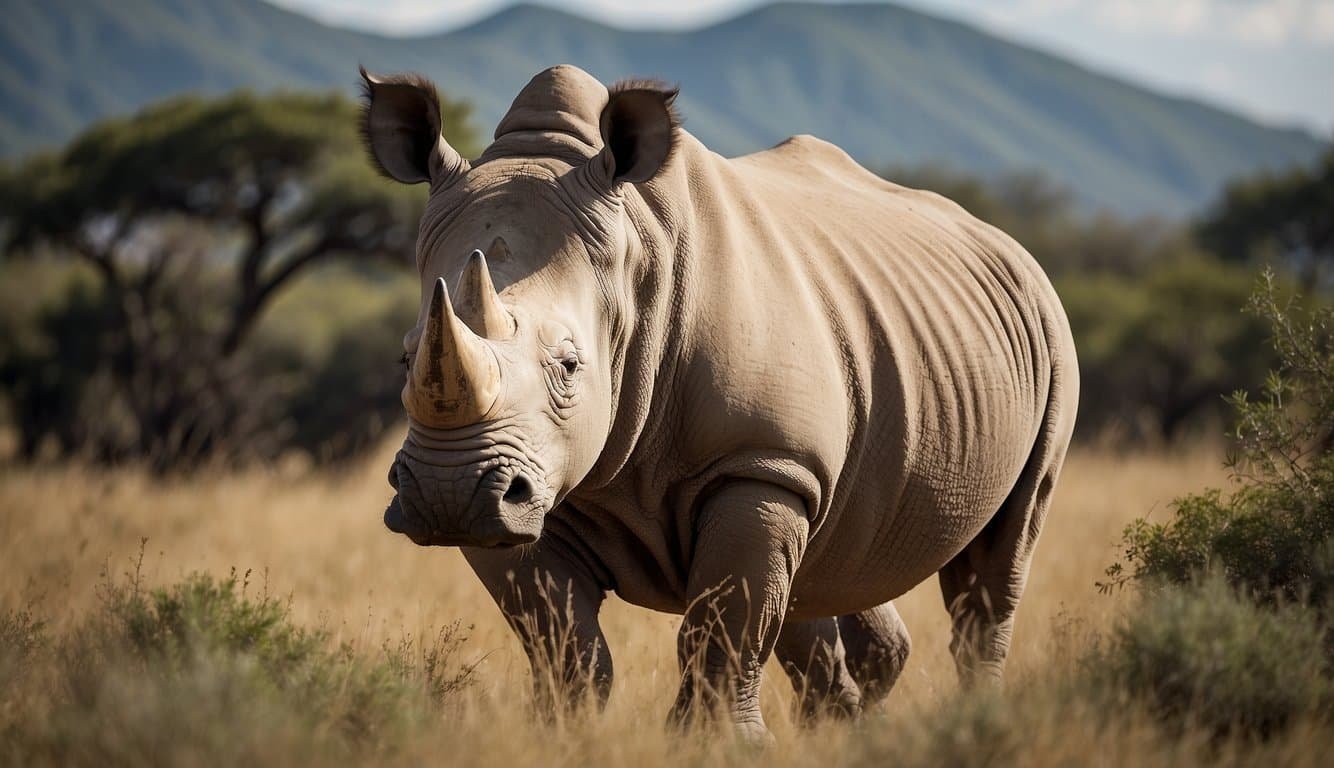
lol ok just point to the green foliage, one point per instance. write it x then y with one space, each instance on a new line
279 163
1232 633
1158 351
321 361
192 217
205 670
1288 216
333 342
1287 436
1208 657
50 341
1274 535
201 617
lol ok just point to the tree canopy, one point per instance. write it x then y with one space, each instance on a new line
284 173
194 213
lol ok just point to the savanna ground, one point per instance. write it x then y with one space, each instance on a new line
316 541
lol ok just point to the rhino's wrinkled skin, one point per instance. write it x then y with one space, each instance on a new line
770 393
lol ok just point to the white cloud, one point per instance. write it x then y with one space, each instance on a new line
1267 23
392 16
416 16
1179 17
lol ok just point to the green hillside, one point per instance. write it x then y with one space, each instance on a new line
892 86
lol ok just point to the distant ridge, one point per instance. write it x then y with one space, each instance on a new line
891 86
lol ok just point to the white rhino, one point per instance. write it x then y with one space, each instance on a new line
770 393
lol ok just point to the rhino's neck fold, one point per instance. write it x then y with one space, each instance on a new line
655 296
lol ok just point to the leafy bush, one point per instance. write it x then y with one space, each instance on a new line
1274 535
205 671
1206 656
1266 539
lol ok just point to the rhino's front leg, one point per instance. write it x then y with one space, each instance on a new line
749 540
551 602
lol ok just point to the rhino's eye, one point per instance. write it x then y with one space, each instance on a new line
561 366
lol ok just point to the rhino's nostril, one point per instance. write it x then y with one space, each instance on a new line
520 490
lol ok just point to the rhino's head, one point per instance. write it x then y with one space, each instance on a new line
509 386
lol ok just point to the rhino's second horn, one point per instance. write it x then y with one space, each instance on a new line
478 304
455 378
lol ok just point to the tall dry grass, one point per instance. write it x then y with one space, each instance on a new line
317 538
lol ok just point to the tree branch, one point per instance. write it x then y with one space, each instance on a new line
250 305
255 221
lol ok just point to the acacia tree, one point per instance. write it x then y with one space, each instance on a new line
195 213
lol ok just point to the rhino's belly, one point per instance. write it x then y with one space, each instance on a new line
899 526
859 571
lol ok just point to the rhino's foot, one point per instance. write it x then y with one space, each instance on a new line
742 717
753 733
842 704
840 665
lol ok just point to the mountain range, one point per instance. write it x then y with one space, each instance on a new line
892 86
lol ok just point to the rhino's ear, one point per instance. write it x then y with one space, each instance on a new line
400 122
639 130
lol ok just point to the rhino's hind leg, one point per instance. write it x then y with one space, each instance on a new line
983 583
877 645
813 656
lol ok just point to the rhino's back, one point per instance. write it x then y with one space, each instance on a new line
946 333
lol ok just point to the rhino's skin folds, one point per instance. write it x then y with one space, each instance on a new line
778 372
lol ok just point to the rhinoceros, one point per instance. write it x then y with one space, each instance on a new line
768 393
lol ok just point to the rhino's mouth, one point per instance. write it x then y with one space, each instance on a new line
398 521
495 536
504 507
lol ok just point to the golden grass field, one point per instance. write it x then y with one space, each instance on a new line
318 538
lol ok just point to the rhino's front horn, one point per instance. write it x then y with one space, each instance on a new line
455 378
478 304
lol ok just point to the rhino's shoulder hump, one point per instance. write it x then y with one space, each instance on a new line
804 149
806 159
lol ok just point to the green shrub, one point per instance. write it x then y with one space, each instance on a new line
1266 539
1273 536
1205 656
207 671
1231 632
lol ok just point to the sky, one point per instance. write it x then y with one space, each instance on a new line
1269 59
